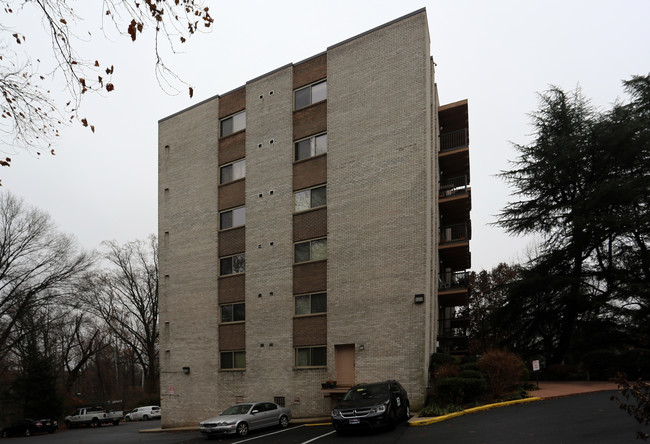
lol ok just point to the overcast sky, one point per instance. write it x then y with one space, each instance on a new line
496 54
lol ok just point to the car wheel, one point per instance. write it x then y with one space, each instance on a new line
116 422
68 423
392 419
284 421
145 418
5 434
128 419
242 429
28 432
95 423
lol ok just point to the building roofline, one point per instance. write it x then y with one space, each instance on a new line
392 22
452 105
404 17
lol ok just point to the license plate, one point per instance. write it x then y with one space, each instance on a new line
354 421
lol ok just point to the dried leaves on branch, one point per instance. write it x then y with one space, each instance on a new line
31 117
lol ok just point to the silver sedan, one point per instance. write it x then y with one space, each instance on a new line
240 418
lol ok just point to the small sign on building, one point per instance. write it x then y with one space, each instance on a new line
171 390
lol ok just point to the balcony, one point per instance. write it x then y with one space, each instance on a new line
453 280
454 186
455 233
454 140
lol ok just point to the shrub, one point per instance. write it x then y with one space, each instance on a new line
469 366
502 370
459 390
436 410
446 370
472 374
636 363
437 360
600 364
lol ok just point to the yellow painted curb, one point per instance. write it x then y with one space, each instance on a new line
318 424
433 420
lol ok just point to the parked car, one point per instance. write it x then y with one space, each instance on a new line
143 413
29 427
241 418
93 417
371 405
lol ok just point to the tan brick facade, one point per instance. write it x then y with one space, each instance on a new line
379 222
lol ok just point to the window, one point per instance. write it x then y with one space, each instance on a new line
232 264
314 250
310 147
233 360
232 218
311 357
310 94
233 312
232 124
312 198
233 171
311 304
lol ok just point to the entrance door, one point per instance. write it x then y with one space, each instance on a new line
344 355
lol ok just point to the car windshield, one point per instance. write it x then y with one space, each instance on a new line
238 409
372 391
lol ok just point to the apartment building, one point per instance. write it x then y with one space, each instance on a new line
314 227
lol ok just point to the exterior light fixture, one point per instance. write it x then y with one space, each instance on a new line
418 299
186 370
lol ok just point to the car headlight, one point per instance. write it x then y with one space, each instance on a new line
336 413
378 409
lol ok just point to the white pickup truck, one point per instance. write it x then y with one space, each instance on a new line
93 417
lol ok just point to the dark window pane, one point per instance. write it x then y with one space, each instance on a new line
239 312
303 97
318 197
226 360
319 303
225 266
226 173
303 149
226 313
318 356
226 126
226 220
301 252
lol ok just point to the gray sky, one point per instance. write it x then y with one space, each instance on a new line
497 54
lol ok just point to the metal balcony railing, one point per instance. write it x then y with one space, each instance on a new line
454 233
454 139
453 186
453 279
453 332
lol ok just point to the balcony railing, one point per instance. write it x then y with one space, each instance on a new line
453 279
453 186
454 233
454 139
456 332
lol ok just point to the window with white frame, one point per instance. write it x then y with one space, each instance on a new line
313 250
232 171
233 312
313 93
233 360
311 356
307 304
232 124
311 198
232 218
232 264
310 147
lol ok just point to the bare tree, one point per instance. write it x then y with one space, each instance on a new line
126 298
31 117
38 265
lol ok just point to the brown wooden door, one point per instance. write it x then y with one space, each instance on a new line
344 355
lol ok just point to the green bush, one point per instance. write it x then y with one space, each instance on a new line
436 410
601 364
636 363
468 359
459 390
469 366
475 374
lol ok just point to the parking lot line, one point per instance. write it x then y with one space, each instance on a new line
269 434
319 437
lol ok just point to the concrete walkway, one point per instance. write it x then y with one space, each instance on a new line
555 389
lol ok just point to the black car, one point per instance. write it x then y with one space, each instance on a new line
29 427
380 404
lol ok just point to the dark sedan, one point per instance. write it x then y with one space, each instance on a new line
29 427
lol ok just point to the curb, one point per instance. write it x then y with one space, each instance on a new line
433 420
